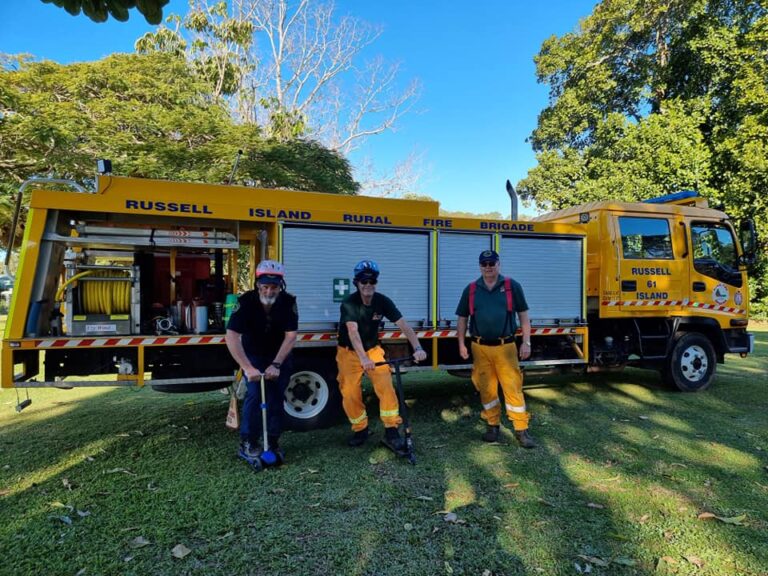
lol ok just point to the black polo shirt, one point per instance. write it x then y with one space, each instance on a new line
263 333
368 318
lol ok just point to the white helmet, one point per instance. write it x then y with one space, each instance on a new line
270 272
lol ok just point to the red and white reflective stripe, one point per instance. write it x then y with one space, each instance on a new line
548 331
108 342
319 337
643 303
716 307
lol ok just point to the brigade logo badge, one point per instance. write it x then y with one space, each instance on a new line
738 298
720 294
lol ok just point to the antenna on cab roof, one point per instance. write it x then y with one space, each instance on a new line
234 168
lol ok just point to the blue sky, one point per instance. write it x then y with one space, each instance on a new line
480 98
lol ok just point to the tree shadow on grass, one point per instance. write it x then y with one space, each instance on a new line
623 470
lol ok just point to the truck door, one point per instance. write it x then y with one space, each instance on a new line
651 270
715 280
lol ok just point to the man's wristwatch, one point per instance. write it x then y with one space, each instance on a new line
276 365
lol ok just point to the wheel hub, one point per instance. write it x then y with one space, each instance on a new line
306 396
694 364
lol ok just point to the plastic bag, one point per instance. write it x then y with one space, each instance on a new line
233 415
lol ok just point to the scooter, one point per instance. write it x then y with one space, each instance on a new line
407 450
268 457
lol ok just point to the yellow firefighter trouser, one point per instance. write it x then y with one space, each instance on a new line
350 384
494 365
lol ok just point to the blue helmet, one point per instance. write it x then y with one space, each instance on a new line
366 270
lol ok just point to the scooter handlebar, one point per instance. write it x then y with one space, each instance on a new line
395 361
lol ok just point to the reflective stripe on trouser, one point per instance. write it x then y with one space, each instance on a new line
494 365
350 383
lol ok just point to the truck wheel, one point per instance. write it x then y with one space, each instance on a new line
312 398
690 366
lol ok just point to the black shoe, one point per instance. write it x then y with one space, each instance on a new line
251 454
358 438
393 440
524 439
491 434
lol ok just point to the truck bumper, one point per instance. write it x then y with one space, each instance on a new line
739 342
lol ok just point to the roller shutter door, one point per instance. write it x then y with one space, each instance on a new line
314 257
550 271
457 258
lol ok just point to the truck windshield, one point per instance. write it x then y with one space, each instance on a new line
714 252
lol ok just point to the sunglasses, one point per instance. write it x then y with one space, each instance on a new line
488 264
367 282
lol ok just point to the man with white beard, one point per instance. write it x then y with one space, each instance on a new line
260 336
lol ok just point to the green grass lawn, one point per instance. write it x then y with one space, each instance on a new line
630 478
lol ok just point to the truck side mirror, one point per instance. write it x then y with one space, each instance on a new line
748 238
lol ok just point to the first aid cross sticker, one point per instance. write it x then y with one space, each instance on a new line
341 288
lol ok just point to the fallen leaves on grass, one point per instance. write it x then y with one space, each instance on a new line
595 560
180 551
512 485
595 505
58 504
605 562
734 520
67 484
695 560
451 517
424 498
66 519
123 470
545 502
139 542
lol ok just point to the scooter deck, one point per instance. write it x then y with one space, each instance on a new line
403 452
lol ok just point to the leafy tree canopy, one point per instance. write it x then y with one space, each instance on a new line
649 97
101 10
153 118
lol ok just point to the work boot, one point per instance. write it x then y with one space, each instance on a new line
251 454
491 434
524 439
393 440
358 438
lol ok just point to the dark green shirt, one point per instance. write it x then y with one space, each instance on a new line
368 318
491 309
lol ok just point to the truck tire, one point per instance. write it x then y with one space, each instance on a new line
312 398
690 366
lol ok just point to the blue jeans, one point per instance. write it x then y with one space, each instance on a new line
250 423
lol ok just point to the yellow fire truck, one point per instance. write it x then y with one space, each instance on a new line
666 285
130 284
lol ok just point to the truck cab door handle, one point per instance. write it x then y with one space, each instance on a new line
699 287
629 285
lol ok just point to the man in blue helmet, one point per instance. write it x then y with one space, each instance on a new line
359 351
260 337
